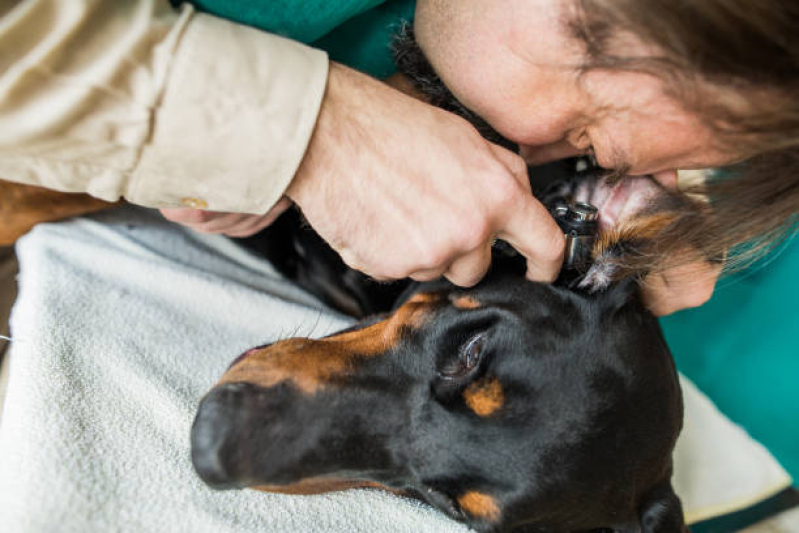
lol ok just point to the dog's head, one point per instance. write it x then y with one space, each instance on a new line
510 405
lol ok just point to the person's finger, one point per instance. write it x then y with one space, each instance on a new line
529 227
255 223
428 274
223 223
278 209
203 221
186 216
469 269
532 232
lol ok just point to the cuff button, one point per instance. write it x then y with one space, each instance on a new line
194 203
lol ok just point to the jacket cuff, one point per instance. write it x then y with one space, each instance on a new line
233 123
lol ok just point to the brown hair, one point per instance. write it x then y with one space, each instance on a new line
711 52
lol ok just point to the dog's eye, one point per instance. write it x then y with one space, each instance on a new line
469 355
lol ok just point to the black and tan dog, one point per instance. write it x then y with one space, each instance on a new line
511 406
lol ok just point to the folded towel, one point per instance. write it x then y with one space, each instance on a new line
122 324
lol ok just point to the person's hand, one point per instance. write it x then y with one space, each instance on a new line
230 224
680 287
402 189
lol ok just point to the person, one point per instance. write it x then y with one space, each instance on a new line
176 109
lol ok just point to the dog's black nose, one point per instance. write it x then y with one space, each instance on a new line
217 447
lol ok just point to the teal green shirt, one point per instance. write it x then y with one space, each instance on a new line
356 33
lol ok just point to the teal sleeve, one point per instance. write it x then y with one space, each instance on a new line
742 350
363 42
301 20
354 32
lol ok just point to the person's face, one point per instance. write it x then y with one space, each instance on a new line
516 65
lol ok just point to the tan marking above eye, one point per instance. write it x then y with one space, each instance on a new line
465 302
484 396
309 364
479 505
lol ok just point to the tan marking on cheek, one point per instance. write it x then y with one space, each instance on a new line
479 505
309 364
484 396
465 302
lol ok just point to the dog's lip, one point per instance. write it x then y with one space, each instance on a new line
618 202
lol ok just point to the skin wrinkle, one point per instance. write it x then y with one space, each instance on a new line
479 505
310 364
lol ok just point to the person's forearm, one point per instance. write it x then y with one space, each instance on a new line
164 108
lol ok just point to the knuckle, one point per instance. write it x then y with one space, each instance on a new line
431 254
505 194
428 275
518 166
392 270
472 234
394 273
433 258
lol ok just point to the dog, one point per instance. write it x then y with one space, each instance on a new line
511 406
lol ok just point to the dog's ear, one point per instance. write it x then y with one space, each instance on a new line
661 512
668 234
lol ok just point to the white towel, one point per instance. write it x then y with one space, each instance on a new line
125 321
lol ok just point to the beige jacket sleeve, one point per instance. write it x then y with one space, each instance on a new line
160 106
